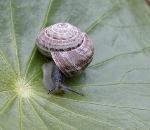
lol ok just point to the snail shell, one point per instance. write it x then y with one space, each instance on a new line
70 48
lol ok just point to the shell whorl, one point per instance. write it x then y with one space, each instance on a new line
70 48
61 36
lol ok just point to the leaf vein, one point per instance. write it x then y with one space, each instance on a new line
20 113
6 61
61 122
92 103
14 37
33 108
103 16
80 115
6 105
117 56
35 48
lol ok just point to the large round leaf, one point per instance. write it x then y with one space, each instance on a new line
116 85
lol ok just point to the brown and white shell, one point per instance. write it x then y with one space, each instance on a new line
70 48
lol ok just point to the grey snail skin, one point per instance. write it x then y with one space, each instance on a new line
71 51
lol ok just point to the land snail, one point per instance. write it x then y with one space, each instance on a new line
71 51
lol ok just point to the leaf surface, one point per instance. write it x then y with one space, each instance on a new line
116 84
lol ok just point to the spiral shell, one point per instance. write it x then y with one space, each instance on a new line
70 48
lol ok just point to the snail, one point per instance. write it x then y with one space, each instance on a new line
71 52
148 2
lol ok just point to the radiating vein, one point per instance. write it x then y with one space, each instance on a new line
113 84
6 91
38 115
92 103
7 104
80 115
30 60
99 19
47 13
35 48
33 77
137 118
106 105
117 56
131 70
54 117
14 42
20 113
6 61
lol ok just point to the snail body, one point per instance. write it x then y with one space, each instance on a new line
70 49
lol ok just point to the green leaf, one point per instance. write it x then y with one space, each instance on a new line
116 84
